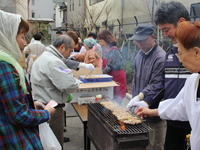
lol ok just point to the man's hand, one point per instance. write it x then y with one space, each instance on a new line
144 112
132 102
137 105
89 67
86 66
79 81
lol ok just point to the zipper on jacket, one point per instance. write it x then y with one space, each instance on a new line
178 79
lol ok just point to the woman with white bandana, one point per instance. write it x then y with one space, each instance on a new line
19 117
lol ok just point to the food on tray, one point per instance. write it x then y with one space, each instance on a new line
90 76
95 78
120 113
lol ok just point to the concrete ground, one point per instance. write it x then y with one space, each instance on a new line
75 133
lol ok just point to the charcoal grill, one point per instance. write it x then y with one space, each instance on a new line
105 132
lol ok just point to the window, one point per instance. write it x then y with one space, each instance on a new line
100 0
91 2
73 5
195 12
70 4
79 2
33 2
33 14
95 1
65 15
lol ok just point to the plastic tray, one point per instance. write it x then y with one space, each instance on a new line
96 78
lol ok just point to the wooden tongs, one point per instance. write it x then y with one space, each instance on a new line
89 74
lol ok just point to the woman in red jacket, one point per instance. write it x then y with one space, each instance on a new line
113 63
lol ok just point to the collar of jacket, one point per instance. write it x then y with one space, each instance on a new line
147 55
37 42
54 51
169 47
174 49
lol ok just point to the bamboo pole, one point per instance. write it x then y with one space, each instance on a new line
100 13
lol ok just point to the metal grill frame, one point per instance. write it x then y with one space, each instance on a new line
105 137
106 116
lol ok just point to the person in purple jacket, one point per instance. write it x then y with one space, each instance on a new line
167 17
148 65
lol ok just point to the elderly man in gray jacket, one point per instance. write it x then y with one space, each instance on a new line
52 79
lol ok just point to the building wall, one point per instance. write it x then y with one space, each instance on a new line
8 6
75 15
13 6
58 17
141 9
42 8
22 8
111 12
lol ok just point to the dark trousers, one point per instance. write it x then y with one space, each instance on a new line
175 138
57 124
29 78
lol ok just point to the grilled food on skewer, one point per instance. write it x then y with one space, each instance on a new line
120 113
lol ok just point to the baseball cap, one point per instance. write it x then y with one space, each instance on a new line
142 31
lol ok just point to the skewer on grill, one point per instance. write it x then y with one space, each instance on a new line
121 114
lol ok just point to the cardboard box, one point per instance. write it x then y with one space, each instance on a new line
85 72
93 89
22 61
34 58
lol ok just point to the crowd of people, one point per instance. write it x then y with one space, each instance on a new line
165 86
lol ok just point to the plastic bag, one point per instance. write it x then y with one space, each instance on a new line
47 137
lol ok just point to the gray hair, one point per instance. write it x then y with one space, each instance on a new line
63 39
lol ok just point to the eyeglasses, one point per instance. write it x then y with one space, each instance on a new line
178 55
